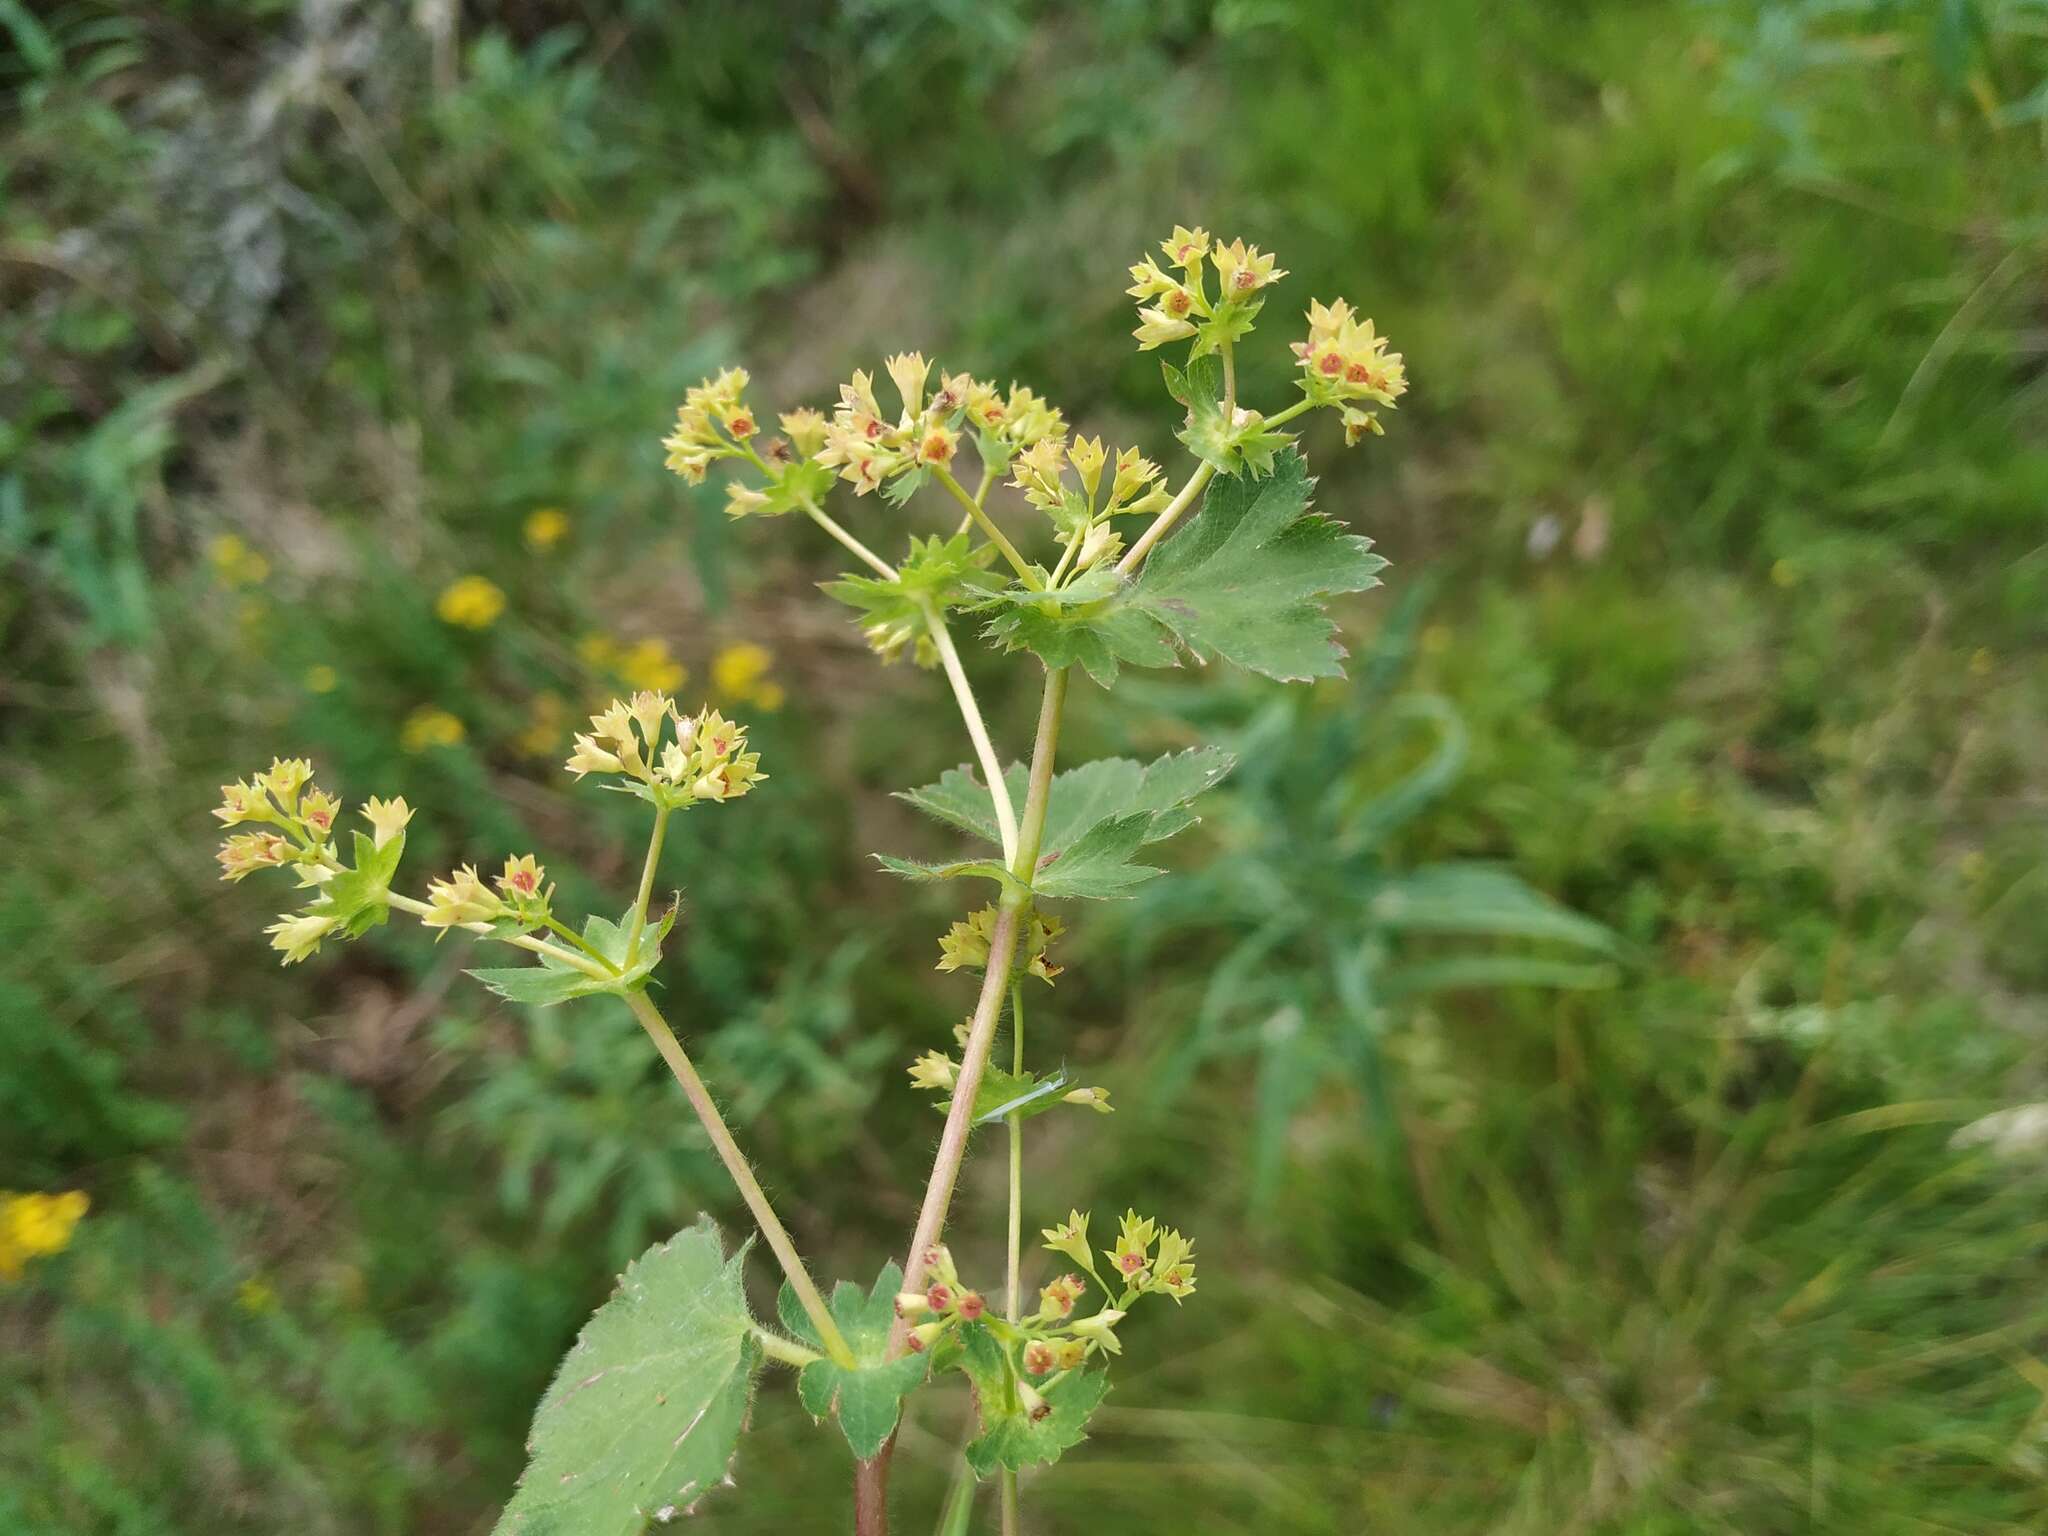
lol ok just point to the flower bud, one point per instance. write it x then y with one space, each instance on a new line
1033 1403
1039 1357
970 1305
912 1304
939 1298
924 1336
387 818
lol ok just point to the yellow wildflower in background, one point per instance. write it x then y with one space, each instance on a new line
255 1295
473 602
740 672
429 726
235 562
322 679
545 528
546 719
597 649
32 1226
647 665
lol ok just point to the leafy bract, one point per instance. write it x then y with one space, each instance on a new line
1097 816
1010 1437
647 1407
1231 446
867 1397
1245 580
360 898
941 572
552 981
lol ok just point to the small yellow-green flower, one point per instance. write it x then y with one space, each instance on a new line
236 563
1070 1238
33 1226
740 672
256 1296
387 818
427 727
299 934
322 679
471 602
545 527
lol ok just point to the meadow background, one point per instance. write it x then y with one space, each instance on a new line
1664 1203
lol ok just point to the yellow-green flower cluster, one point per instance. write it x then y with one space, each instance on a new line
1346 364
295 823
1082 516
667 757
464 901
712 423
1174 302
33 1226
1145 1258
966 943
868 446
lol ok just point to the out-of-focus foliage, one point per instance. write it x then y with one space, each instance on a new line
1727 448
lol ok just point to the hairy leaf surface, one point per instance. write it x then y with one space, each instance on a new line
647 1408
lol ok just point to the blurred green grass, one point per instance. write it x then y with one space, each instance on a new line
1723 480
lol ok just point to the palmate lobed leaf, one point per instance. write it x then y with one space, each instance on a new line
646 1410
1245 580
551 982
868 1398
1097 816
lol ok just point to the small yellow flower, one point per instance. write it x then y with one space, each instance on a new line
236 563
597 649
427 727
299 934
387 818
522 878
34 1225
322 679
934 1070
255 1296
541 736
461 898
739 671
1070 1238
472 602
545 527
648 665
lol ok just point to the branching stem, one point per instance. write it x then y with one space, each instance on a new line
736 1164
654 841
996 535
977 732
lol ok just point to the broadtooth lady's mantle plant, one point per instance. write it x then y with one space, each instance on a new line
645 1413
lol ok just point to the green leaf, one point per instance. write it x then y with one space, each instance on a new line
647 1408
1478 899
359 898
1209 435
912 869
944 572
1001 1095
1009 1437
1098 864
551 981
1096 816
1473 971
1081 624
1246 578
868 1398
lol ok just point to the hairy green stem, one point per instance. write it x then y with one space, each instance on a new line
735 1161
787 1351
1166 519
1010 914
996 535
654 841
1013 1301
977 732
860 551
